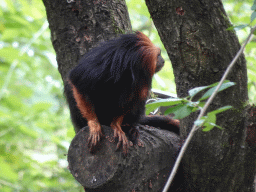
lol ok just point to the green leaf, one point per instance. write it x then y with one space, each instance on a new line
254 5
194 91
211 126
180 111
230 28
220 110
41 106
211 117
210 91
9 54
238 27
28 131
201 104
14 103
199 122
253 16
162 102
6 171
11 7
208 127
209 122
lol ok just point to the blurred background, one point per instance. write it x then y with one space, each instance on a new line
35 127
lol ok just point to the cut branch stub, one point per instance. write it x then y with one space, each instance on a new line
145 167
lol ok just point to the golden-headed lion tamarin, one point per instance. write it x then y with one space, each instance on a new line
111 84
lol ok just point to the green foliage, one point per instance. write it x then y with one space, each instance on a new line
34 120
242 15
183 107
208 122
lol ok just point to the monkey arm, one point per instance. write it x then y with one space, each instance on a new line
88 113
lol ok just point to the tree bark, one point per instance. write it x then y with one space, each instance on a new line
200 49
78 25
145 167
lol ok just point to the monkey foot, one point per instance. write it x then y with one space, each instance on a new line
122 139
93 140
134 135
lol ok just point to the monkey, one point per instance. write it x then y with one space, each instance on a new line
110 86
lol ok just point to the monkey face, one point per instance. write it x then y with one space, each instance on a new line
159 63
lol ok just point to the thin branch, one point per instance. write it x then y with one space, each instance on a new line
193 130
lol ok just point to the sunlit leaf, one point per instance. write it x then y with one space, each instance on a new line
220 110
193 92
237 28
162 102
180 111
254 5
9 54
7 171
222 87
41 106
199 122
28 131
208 126
253 16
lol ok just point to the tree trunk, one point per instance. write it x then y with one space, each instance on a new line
200 49
78 25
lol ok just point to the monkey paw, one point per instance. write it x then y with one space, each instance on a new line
93 140
122 140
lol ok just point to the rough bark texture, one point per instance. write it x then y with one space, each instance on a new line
200 49
145 168
78 25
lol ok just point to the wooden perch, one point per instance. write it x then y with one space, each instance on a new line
145 168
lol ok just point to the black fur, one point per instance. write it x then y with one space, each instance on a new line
111 76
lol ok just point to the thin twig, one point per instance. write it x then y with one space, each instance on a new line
193 130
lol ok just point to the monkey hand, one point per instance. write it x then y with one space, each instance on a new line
122 139
94 137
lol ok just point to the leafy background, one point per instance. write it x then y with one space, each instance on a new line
35 128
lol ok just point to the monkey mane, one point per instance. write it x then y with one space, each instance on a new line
149 52
117 75
128 56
